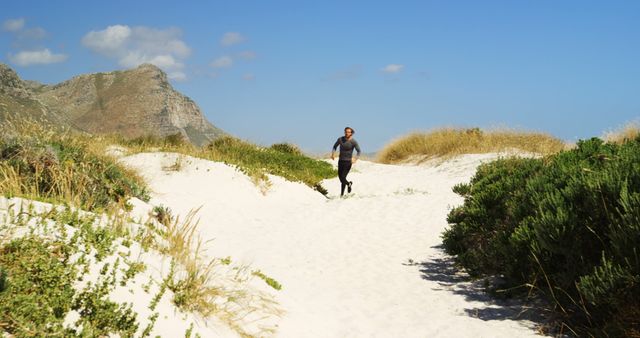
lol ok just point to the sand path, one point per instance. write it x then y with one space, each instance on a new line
369 265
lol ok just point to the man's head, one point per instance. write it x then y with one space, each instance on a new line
348 131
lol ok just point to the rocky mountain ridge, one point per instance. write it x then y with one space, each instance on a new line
17 99
132 103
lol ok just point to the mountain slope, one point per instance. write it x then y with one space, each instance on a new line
17 99
132 103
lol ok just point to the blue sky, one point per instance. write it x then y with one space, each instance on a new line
300 71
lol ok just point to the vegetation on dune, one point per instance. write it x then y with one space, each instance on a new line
567 226
281 159
44 275
449 142
44 258
39 277
194 280
626 133
62 167
40 268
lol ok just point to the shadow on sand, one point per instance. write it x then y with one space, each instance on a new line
449 278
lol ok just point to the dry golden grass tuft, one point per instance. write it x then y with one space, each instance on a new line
448 142
200 286
48 163
626 133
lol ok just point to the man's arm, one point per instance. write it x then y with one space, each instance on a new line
357 146
333 151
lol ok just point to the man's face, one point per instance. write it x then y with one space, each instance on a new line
348 132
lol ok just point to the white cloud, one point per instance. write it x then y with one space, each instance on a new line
111 42
247 55
27 58
133 46
156 41
248 77
20 31
393 68
136 58
13 25
222 62
232 38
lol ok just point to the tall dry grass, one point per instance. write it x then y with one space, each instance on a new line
623 134
448 142
43 162
202 285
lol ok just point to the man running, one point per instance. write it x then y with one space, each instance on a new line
347 143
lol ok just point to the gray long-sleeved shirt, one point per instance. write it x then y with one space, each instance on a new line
346 148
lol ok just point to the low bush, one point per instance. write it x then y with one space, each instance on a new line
567 225
281 159
172 140
39 293
494 205
286 148
40 289
61 167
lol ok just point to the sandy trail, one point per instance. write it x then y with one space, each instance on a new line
368 265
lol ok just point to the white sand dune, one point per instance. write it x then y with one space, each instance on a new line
368 265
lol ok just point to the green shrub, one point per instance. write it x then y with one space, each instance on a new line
39 292
494 205
568 225
286 148
37 278
281 159
99 316
162 214
62 168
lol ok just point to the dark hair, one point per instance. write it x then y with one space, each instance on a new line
352 131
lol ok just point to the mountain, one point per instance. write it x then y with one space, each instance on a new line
132 103
17 99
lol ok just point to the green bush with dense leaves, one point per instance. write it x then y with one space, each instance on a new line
568 225
286 148
38 294
495 202
40 288
282 159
